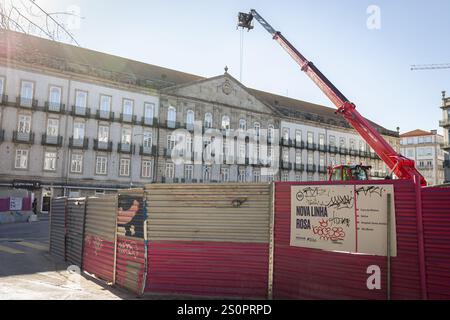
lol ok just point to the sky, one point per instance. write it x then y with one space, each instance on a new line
370 66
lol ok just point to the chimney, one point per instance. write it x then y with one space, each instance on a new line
433 131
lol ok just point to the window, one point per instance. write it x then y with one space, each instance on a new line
257 128
21 161
78 130
188 172
50 161
332 141
256 176
342 142
52 127
285 156
27 91
352 144
103 134
170 172
322 160
190 117
410 153
270 133
310 158
310 177
171 114
225 174
124 167
298 156
225 122
242 124
310 138
128 107
321 139
2 85
285 176
55 96
76 163
101 165
24 124
147 139
126 136
208 120
149 110
206 174
298 136
80 99
146 169
298 177
170 142
286 134
361 146
105 103
242 175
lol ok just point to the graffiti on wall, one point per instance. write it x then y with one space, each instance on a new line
131 216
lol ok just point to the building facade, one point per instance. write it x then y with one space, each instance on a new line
445 124
424 147
77 122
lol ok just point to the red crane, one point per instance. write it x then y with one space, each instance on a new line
401 166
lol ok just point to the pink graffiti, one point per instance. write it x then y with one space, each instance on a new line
128 248
94 242
329 233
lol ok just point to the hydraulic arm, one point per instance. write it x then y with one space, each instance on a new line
401 166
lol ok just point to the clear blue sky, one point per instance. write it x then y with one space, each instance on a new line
371 67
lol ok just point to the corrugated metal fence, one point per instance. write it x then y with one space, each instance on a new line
58 227
208 240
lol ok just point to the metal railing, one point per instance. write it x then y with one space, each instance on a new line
147 150
103 146
54 107
80 111
79 143
48 140
26 102
23 137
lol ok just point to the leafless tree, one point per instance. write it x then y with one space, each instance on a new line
29 17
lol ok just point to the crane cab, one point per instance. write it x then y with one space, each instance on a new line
349 172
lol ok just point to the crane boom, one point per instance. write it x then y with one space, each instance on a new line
401 166
430 66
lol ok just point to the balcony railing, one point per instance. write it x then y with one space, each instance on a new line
4 98
172 124
189 126
26 102
82 144
332 149
364 154
353 152
151 122
311 146
105 115
299 144
425 167
286 165
322 148
80 111
147 150
286 142
167 153
129 118
322 169
54 107
311 168
2 135
343 150
444 123
23 137
299 167
127 148
51 140
102 145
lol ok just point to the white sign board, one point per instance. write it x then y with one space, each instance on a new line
15 204
342 218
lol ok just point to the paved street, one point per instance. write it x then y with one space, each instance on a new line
27 271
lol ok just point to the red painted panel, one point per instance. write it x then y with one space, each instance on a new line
130 264
303 273
223 269
98 257
436 219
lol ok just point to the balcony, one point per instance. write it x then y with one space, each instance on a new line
82 144
425 167
286 165
353 152
147 150
311 168
2 135
444 123
299 167
299 144
364 154
128 118
23 137
332 149
104 115
54 107
373 155
4 100
189 126
311 146
322 169
102 145
286 142
322 148
167 153
80 111
23 102
127 148
149 122
55 141
343 150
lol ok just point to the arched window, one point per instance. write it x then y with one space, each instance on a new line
171 116
256 126
270 133
190 117
225 122
242 124
208 120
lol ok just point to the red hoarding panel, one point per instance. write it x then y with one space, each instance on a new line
130 265
302 273
98 257
221 269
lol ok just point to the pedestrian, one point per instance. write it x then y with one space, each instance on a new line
35 206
